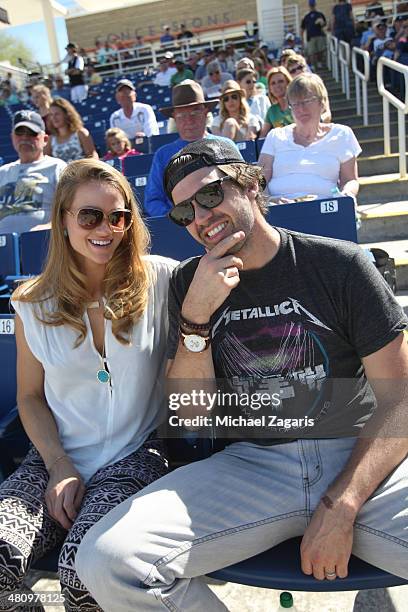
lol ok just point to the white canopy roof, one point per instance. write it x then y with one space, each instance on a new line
21 12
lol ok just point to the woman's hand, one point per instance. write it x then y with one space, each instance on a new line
64 492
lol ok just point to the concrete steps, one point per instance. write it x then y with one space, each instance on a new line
398 249
382 188
380 221
378 164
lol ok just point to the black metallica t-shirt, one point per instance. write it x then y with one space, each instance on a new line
296 330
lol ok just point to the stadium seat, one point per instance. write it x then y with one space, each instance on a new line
279 568
248 150
158 141
9 255
142 145
137 165
259 145
34 246
170 240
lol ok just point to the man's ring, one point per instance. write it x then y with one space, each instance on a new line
330 574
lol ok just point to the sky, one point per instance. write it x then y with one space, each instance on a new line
34 35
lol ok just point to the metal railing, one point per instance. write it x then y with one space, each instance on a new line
334 56
400 105
361 80
344 59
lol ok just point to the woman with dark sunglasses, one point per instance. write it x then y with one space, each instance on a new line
91 334
258 103
279 113
235 120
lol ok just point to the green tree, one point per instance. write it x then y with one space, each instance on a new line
11 49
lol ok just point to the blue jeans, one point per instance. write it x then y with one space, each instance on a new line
149 552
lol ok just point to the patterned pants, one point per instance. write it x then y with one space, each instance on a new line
27 531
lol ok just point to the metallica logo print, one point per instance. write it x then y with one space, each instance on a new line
276 349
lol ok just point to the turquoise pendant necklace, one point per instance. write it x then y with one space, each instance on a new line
102 375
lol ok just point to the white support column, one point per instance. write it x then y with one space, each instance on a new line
51 31
270 20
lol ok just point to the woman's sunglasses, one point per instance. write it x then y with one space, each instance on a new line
228 97
209 196
296 69
89 218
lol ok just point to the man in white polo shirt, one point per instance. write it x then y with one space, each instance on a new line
134 118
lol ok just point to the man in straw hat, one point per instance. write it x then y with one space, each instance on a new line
189 110
277 341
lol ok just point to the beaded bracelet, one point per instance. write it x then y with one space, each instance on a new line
194 326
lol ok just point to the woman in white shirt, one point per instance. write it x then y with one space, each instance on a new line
91 333
310 158
258 103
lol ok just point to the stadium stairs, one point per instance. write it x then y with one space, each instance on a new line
383 196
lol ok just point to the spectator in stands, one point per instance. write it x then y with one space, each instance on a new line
165 73
291 43
94 79
369 34
296 64
42 99
313 23
134 118
94 320
184 33
201 70
342 22
215 79
182 73
309 157
69 140
189 110
167 37
279 113
235 120
60 90
285 55
8 97
27 185
245 62
258 103
75 72
118 145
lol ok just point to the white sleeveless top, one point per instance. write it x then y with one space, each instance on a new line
70 150
101 423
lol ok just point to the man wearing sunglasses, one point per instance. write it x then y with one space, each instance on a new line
215 79
306 318
27 185
189 110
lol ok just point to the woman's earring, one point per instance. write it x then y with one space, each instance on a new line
65 232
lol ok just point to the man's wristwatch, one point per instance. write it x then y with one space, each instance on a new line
195 343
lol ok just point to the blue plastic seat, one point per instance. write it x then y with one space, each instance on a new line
170 240
34 247
259 145
248 150
137 165
9 255
158 141
279 568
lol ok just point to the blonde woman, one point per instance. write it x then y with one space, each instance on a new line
91 335
279 113
235 120
42 100
310 157
69 139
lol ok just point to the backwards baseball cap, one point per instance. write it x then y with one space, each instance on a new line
71 45
201 154
30 119
124 83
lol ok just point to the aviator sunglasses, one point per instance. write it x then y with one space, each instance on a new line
227 97
88 218
208 197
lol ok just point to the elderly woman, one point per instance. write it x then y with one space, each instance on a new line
258 103
235 120
310 157
279 113
70 140
91 336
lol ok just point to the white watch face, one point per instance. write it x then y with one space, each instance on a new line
194 343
